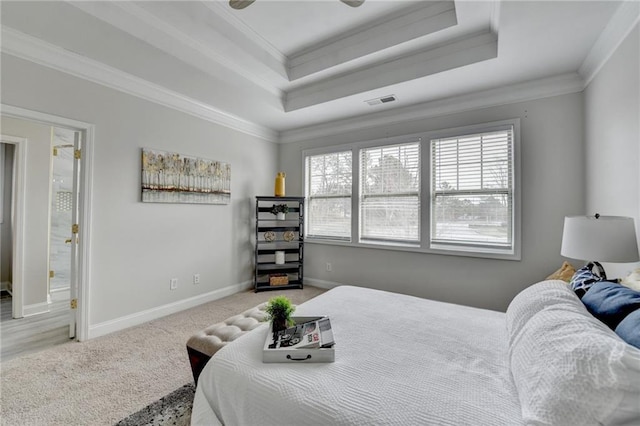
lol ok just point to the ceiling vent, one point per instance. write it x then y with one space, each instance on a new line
382 100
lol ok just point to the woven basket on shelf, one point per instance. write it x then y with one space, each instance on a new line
278 279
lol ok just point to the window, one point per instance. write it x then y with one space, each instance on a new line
328 191
472 193
453 191
390 193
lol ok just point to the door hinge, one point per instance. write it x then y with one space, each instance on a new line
77 154
74 303
51 274
55 151
75 228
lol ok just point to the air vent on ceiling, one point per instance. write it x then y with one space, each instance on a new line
382 100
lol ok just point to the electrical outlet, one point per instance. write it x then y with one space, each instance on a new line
329 267
174 283
196 278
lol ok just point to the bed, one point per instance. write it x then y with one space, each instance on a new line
411 361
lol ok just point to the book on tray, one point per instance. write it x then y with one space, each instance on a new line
312 334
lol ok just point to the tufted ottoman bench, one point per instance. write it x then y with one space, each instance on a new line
205 343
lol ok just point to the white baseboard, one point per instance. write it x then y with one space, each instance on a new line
35 309
321 283
5 286
138 318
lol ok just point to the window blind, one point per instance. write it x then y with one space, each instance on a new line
329 180
390 193
472 190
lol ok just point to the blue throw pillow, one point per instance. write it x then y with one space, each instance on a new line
611 302
629 329
583 279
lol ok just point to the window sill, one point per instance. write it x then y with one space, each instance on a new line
477 253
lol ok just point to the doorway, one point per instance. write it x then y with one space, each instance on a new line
61 213
11 226
27 326
6 205
67 260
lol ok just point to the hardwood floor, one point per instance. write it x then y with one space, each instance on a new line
32 334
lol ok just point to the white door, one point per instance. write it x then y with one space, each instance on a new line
75 234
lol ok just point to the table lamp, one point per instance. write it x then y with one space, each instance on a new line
600 239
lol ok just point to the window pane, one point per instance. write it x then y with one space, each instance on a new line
329 217
478 219
472 162
390 193
328 187
472 189
330 174
392 218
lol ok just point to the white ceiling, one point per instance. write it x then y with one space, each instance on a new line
290 65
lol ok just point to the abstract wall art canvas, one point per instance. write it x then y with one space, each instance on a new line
169 177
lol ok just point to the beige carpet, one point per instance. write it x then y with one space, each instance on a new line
103 380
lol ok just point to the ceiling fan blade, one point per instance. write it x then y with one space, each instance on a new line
352 3
240 4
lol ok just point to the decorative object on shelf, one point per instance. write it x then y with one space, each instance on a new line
289 236
279 188
168 177
279 310
600 239
278 279
280 210
269 236
279 257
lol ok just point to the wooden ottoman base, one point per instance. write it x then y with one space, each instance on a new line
197 360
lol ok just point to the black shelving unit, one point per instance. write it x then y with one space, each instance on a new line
274 235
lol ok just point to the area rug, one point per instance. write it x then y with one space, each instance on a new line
172 409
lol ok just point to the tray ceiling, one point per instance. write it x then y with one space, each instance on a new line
287 65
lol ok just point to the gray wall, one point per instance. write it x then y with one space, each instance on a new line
137 248
612 122
552 156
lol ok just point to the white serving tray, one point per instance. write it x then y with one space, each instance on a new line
289 355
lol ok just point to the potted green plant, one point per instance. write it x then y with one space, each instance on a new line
280 210
279 310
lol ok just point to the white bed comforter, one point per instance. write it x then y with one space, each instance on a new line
399 360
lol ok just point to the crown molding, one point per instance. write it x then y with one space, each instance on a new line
408 23
531 90
32 49
462 51
615 32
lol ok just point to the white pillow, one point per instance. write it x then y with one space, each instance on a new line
534 299
632 280
571 369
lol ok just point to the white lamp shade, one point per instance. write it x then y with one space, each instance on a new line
605 239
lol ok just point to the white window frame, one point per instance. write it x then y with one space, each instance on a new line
361 196
512 252
425 197
307 233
